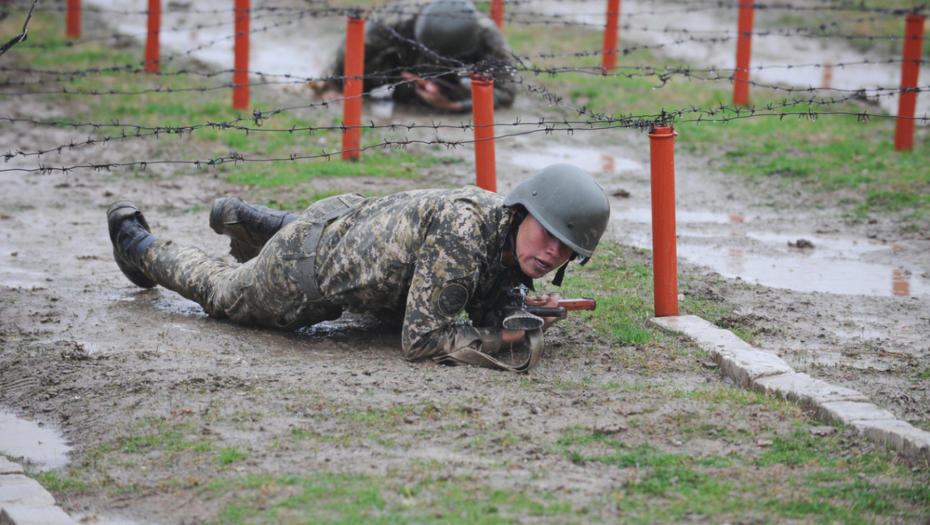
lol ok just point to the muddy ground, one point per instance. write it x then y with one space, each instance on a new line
111 365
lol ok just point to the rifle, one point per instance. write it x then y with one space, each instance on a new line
517 315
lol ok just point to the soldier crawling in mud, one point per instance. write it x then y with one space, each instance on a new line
423 255
426 45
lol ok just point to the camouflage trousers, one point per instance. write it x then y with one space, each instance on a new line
267 290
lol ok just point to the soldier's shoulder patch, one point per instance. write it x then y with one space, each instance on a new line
452 299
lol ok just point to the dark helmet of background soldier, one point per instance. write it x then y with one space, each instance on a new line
569 204
449 28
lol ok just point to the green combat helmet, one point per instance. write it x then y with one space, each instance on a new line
449 28
569 204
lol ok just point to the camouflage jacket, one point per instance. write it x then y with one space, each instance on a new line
390 48
427 254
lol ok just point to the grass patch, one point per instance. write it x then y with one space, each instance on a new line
157 434
375 163
855 25
620 278
582 448
60 480
816 485
801 448
352 498
229 455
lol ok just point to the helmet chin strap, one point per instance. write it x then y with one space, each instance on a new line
510 239
560 273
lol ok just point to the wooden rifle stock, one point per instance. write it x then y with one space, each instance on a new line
584 303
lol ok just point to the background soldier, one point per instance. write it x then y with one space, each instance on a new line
425 255
426 45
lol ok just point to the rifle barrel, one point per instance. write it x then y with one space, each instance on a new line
545 311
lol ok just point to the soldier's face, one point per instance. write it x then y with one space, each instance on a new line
538 251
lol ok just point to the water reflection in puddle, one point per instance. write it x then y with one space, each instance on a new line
809 273
22 437
832 266
589 159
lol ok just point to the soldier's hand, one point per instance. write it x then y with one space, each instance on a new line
431 94
512 337
551 300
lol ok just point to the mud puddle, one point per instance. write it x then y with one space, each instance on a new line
591 160
205 30
24 438
828 265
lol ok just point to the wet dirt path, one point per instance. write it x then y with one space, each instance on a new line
105 354
743 231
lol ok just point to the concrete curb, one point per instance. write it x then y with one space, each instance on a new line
23 501
753 368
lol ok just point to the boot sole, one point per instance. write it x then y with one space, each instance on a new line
135 275
216 215
241 250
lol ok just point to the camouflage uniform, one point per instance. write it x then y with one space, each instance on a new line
390 48
430 254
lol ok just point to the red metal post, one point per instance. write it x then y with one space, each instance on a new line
664 251
73 19
910 71
241 70
497 12
743 53
609 56
482 96
152 52
352 88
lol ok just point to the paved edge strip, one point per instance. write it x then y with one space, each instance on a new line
764 371
23 501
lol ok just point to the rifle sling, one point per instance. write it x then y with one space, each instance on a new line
470 356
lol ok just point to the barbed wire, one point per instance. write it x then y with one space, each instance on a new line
643 71
664 118
590 120
294 79
856 6
723 114
530 17
391 79
60 76
173 56
21 37
726 36
301 14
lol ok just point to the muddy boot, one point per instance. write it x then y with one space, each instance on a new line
248 226
130 236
